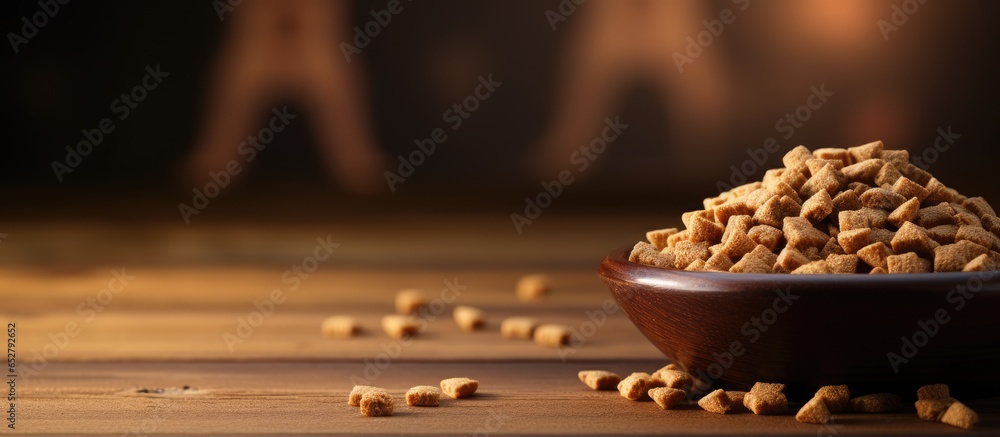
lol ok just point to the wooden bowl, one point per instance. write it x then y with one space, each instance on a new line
812 330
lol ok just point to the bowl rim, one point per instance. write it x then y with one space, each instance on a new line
616 266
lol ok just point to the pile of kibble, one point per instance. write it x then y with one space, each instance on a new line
856 210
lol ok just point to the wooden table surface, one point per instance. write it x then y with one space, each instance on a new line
167 328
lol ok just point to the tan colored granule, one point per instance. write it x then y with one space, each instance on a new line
855 239
875 255
552 335
707 230
836 397
870 150
878 271
686 252
812 268
678 237
536 286
469 318
863 171
715 402
645 253
696 266
933 409
934 391
817 207
459 388
827 178
738 244
959 415
674 378
887 175
800 233
876 403
913 238
718 262
410 300
399 326
766 398
741 223
979 206
340 327
599 379
832 247
845 201
768 236
667 397
377 402
954 257
930 216
635 386
354 399
883 235
796 159
908 263
759 260
881 198
842 264
518 328
814 411
909 189
790 259
816 164
906 212
423 396
978 235
839 154
658 238
943 234
980 263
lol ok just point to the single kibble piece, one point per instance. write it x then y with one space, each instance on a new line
959 415
814 411
875 255
552 335
913 238
766 398
423 396
954 257
354 399
635 386
459 388
642 253
981 263
518 328
469 318
842 264
658 238
800 233
876 403
836 397
399 326
736 400
934 391
532 287
932 409
905 212
410 301
600 379
376 403
340 327
817 207
908 263
674 378
715 402
667 397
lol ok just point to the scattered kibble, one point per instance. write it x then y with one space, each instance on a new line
876 403
814 411
354 399
667 397
409 301
959 415
376 402
399 326
674 378
934 391
423 396
532 287
552 335
766 398
599 379
934 403
459 387
340 327
836 397
518 328
716 402
469 318
636 385
861 209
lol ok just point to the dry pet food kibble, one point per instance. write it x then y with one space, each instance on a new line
519 328
398 326
814 411
409 301
376 403
876 403
423 396
667 397
736 400
552 335
635 386
766 398
934 403
960 416
354 399
934 391
836 397
674 378
533 287
469 318
861 210
459 387
340 326
715 402
600 379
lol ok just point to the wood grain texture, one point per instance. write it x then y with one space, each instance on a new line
513 398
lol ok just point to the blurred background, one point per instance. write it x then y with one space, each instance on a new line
698 84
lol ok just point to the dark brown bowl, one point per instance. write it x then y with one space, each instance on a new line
838 329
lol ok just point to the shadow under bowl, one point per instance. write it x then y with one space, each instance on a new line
873 332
